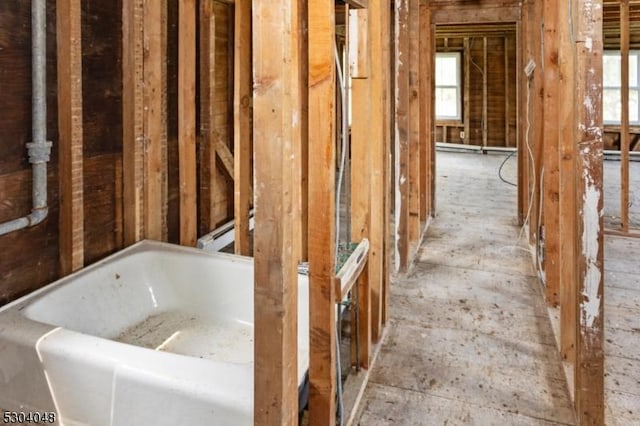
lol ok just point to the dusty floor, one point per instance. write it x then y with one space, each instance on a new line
622 331
469 340
612 194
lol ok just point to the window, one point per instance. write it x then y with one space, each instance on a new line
448 86
611 91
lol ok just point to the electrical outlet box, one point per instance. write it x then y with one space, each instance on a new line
462 134
528 70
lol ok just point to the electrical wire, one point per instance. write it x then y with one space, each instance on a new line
500 170
541 274
345 139
533 161
340 403
345 136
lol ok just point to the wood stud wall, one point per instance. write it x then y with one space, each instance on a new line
361 158
589 374
276 69
551 178
321 235
242 126
133 119
140 176
70 155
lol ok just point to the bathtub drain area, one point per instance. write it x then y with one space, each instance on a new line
184 333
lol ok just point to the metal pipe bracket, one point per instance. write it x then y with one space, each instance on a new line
39 152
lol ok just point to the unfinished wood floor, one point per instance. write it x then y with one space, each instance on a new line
622 331
469 340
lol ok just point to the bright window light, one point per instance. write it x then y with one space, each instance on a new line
448 93
611 91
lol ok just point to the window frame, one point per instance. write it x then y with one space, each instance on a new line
634 88
458 87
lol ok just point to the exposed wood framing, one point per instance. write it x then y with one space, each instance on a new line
624 115
358 4
303 12
187 121
133 119
321 238
474 15
242 125
207 151
388 241
377 74
589 374
402 134
551 178
432 166
466 114
226 158
537 118
506 91
485 93
424 90
567 188
361 157
155 130
70 159
276 131
523 185
414 127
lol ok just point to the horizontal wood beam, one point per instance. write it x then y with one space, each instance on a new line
357 4
475 15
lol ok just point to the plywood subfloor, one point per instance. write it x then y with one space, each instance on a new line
622 331
612 191
469 340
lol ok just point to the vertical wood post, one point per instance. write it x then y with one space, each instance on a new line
414 126
155 130
507 84
424 89
322 86
485 94
401 134
624 115
277 139
589 374
537 118
242 125
523 171
207 151
133 119
69 46
388 95
361 157
303 12
567 190
187 120
466 114
377 74
432 166
550 197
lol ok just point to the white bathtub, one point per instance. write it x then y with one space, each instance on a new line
156 334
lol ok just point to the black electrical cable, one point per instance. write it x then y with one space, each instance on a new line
500 169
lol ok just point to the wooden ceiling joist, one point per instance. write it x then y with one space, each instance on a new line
357 4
